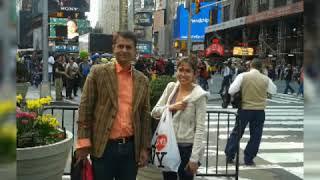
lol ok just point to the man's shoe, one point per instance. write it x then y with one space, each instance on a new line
250 163
230 160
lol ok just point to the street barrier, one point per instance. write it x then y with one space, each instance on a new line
220 166
213 117
65 111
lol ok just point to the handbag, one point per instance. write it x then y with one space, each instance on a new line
82 170
165 153
236 100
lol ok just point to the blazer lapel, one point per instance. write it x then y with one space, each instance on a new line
112 83
135 90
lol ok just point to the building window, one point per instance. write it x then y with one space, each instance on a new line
226 13
294 1
278 3
263 5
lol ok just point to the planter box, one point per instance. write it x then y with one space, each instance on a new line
22 88
149 173
44 162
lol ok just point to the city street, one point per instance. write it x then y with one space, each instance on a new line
281 150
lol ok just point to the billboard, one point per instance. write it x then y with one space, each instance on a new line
60 5
144 47
199 22
74 5
143 19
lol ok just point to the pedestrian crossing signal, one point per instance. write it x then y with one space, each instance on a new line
197 6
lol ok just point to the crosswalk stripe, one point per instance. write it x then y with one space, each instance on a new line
277 145
266 123
247 136
283 101
293 157
298 171
267 107
264 129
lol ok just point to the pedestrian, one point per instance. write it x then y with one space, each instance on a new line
114 119
254 87
187 102
59 74
227 77
288 72
84 69
71 74
301 79
51 62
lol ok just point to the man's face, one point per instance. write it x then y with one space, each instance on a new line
124 50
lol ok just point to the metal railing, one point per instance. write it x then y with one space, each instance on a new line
65 108
212 116
217 171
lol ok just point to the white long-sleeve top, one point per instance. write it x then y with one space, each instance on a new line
189 124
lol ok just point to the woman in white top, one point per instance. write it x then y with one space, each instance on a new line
187 102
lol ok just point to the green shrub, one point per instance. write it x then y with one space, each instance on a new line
157 87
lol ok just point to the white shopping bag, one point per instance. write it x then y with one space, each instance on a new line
165 151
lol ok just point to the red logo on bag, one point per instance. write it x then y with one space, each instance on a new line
161 142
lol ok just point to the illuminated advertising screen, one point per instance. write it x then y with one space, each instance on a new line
198 22
67 28
74 5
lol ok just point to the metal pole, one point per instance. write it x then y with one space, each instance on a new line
189 29
45 86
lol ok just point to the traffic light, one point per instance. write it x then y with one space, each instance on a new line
197 6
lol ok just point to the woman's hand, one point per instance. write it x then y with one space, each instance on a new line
192 167
178 106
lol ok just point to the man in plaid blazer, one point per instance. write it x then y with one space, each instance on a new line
114 117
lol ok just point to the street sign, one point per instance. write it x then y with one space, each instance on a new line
198 47
242 51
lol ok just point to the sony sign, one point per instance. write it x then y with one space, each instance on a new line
69 9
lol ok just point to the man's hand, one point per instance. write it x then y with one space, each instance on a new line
192 167
82 154
143 160
178 106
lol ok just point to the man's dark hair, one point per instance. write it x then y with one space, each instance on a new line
257 64
127 35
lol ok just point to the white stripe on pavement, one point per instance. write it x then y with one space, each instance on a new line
277 145
298 171
225 122
212 169
264 129
268 107
247 136
282 101
292 157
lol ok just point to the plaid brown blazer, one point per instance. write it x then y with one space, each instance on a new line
99 105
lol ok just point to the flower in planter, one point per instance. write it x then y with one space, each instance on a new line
7 131
34 128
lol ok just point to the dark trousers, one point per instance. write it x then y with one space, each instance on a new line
118 162
225 84
71 87
185 154
288 87
256 119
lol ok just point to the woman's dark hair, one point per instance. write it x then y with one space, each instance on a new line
126 35
193 63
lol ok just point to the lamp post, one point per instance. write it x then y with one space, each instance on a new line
45 86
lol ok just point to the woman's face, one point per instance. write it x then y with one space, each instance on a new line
185 74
